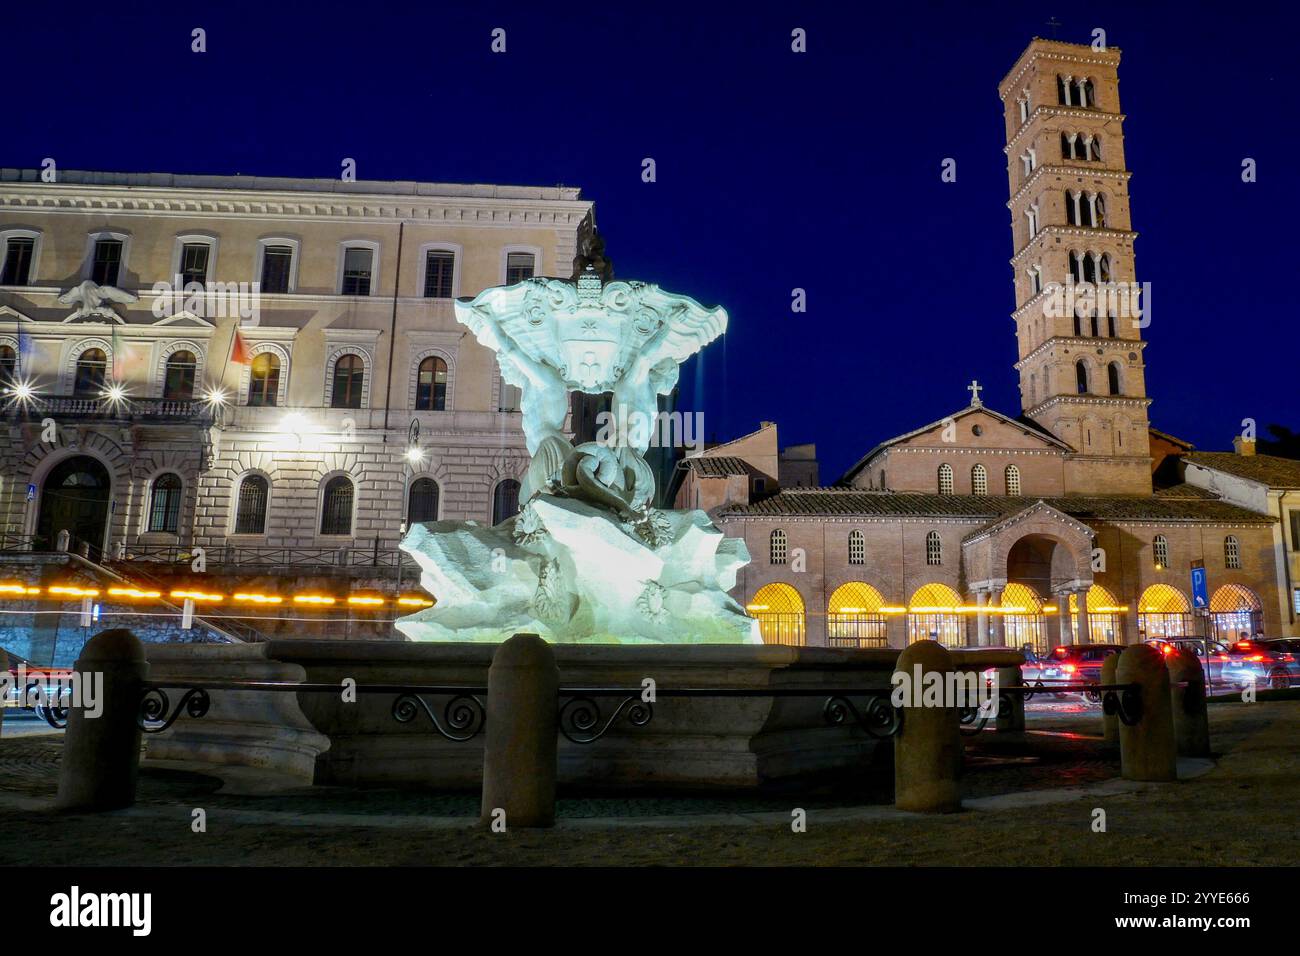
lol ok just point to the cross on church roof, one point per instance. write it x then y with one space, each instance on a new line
975 388
1054 24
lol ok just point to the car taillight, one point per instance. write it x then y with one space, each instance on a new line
1255 657
1068 668
1166 649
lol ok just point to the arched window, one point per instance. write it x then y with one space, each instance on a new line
165 504
250 506
336 506
92 367
8 366
178 379
1112 377
1072 207
1232 553
1062 91
264 379
857 548
945 479
1104 265
1096 331
422 503
1013 481
1160 547
1081 377
349 376
1094 149
979 480
1076 267
933 549
505 500
431 385
1078 323
776 547
1087 94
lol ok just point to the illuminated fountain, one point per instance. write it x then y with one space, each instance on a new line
587 558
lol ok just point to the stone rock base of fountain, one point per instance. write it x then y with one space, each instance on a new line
575 573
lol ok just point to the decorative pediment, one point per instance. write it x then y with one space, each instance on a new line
185 319
13 315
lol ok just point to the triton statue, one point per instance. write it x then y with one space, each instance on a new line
587 558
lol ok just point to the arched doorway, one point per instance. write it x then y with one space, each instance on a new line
74 498
1022 619
1164 611
934 613
853 617
1103 618
1235 609
780 613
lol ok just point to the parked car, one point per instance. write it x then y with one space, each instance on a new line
53 679
1077 663
1262 663
1212 662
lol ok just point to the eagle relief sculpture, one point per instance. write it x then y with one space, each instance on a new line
91 300
588 558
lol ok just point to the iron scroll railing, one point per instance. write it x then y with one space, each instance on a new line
581 718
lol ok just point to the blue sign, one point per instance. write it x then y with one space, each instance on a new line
1200 589
31 492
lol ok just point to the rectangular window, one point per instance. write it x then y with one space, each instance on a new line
1295 600
1295 530
194 263
356 271
106 262
277 262
18 262
519 266
437 275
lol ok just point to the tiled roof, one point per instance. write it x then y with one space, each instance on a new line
836 502
1173 440
717 466
1184 490
1266 469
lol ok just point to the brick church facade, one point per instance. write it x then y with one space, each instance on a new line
1041 528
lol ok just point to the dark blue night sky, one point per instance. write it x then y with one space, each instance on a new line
775 170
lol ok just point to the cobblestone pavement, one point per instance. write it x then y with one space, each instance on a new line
1259 771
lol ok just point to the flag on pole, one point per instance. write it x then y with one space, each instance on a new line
238 353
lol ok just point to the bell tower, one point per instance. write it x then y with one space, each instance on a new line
1079 311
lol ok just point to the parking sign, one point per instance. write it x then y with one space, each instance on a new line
1200 587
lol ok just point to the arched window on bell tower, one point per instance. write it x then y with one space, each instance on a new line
1112 378
1081 376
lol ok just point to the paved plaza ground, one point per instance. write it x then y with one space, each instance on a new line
1031 803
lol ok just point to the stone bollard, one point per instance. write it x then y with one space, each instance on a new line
101 755
1190 715
1109 722
927 750
1014 720
519 758
1146 749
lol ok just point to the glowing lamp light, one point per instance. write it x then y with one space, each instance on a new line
23 391
215 396
893 610
115 393
1050 609
364 600
18 589
755 607
198 596
259 598
134 593
68 590
312 599
412 601
414 455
